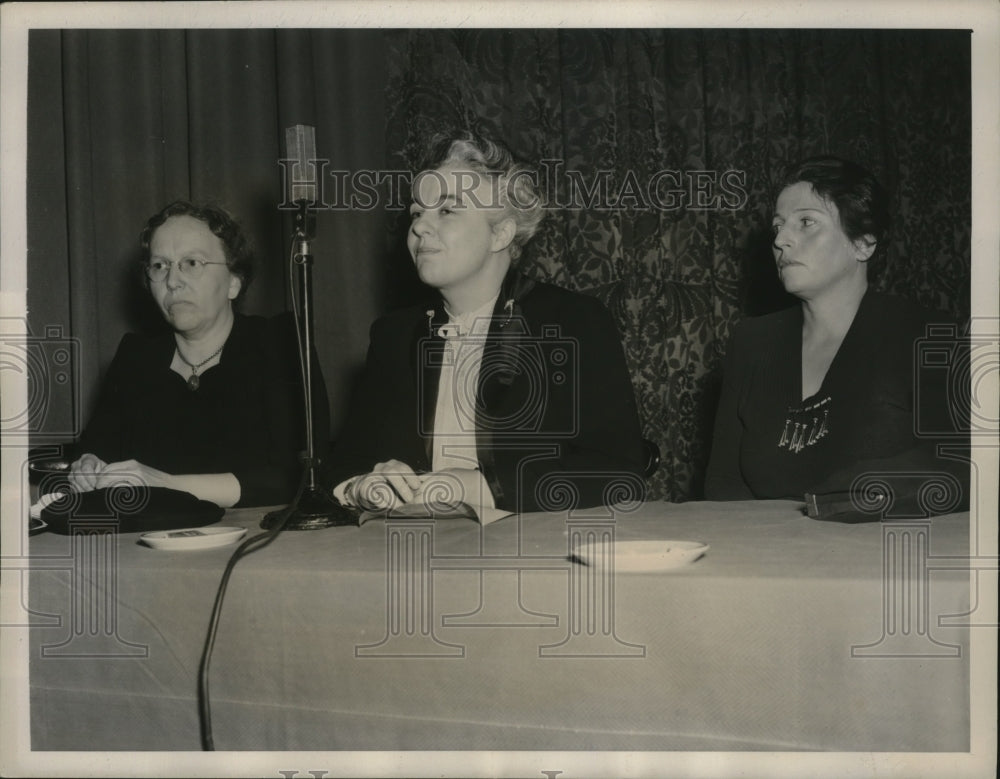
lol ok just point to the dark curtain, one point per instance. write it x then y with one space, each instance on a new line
723 112
123 121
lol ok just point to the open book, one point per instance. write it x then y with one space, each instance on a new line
482 515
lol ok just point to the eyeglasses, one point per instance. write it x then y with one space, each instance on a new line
190 268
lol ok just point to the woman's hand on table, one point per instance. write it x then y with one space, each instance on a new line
132 473
85 471
388 485
393 483
90 472
223 489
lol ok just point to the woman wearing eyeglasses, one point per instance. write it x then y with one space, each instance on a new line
214 406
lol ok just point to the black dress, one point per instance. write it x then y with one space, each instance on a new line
245 418
770 443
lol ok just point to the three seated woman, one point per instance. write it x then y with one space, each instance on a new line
514 392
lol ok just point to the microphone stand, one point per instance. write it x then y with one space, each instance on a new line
315 507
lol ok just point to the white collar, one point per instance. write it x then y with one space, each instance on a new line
476 321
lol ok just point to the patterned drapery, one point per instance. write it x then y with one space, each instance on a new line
662 149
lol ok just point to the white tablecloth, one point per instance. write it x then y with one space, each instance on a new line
788 634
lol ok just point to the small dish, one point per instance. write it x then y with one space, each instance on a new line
193 538
49 466
641 556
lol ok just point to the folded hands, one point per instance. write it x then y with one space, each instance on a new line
393 483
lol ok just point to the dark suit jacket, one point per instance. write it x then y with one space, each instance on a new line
874 422
556 422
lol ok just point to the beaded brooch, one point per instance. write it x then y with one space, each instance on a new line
805 426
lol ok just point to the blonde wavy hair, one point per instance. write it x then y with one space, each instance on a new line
516 183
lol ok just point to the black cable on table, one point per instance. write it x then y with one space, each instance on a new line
257 542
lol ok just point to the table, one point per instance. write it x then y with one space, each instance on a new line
789 634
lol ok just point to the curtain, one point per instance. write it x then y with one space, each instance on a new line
713 117
123 121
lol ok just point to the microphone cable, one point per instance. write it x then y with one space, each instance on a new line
249 546
252 544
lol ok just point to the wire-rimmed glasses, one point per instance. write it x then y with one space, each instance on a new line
189 267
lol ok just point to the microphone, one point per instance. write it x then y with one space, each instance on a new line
300 148
313 507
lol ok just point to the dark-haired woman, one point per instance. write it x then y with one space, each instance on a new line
822 392
212 407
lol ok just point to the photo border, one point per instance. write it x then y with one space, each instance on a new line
15 21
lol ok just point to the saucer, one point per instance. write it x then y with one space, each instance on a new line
642 556
49 466
193 538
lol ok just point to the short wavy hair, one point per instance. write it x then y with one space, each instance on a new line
862 203
517 183
236 246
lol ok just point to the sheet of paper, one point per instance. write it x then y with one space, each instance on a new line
437 511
